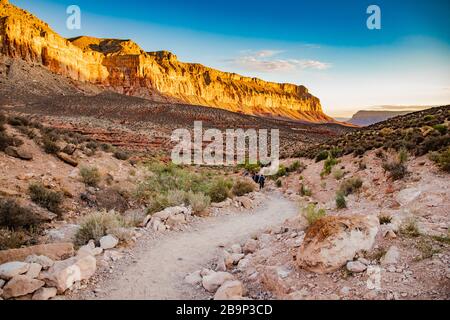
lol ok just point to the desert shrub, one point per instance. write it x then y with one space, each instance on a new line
362 166
90 176
12 215
426 249
252 167
402 156
46 198
312 214
384 219
429 117
176 197
198 201
322 155
282 171
397 170
410 228
336 152
338 174
121 155
278 183
12 239
296 166
242 187
328 166
350 186
157 203
18 121
5 141
93 145
341 203
49 145
305 191
134 218
359 151
442 128
106 147
442 159
96 225
219 191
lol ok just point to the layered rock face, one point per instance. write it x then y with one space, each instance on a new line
121 65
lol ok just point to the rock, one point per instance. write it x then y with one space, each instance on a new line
302 294
67 159
63 274
246 202
214 280
236 257
391 256
228 259
34 270
220 264
21 285
44 261
108 242
175 220
333 240
2 283
206 272
66 233
172 211
44 294
356 266
19 152
223 204
389 234
243 264
345 291
406 196
69 149
112 255
55 251
193 278
250 246
12 269
236 248
272 281
11 151
230 290
365 261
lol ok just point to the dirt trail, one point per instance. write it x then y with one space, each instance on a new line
162 264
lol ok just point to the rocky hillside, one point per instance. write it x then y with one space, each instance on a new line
369 117
123 66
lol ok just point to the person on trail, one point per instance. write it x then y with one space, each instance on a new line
259 179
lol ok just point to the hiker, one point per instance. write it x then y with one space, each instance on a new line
259 179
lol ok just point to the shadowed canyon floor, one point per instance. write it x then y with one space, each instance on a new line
162 264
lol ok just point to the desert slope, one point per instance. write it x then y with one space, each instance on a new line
123 66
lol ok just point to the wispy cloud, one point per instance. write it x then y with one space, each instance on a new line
264 61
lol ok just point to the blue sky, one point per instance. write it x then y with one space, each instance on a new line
324 45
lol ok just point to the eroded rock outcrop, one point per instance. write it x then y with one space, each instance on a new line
121 65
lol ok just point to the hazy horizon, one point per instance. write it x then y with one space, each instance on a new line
331 52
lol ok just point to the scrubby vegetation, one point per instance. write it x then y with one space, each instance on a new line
442 159
13 215
242 187
198 201
121 155
397 167
305 191
341 203
350 186
384 219
46 198
328 165
96 225
90 176
312 214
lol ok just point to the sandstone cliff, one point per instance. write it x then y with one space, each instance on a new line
121 65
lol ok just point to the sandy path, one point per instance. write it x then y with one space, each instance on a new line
162 264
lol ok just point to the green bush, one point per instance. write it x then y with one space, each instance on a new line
282 171
49 145
397 170
176 197
12 215
90 176
198 201
305 191
12 239
322 155
384 219
350 186
18 121
219 191
341 203
312 215
338 174
242 187
46 198
93 145
157 203
296 166
328 166
442 159
442 128
96 225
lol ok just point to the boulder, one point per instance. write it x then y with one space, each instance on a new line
236 257
69 149
44 294
236 248
67 159
21 285
108 242
193 278
176 220
250 246
12 269
356 266
19 152
213 281
63 274
54 251
65 233
43 261
230 290
272 279
333 240
246 202
391 256
34 270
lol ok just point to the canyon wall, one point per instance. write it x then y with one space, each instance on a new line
121 65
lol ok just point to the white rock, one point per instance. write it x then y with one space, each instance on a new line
108 242
214 280
243 264
406 196
230 290
11 269
44 261
193 278
391 256
345 291
236 248
44 294
356 266
206 272
2 283
250 246
237 257
34 270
